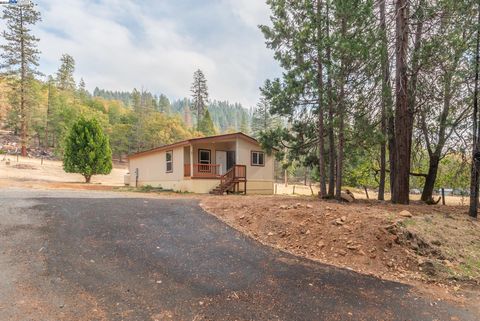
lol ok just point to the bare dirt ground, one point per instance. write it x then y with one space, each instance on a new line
30 172
435 248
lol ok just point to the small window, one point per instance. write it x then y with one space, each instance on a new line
169 161
258 159
204 156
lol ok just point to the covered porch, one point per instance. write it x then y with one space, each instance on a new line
209 160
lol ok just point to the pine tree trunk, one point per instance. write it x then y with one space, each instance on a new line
23 79
321 125
385 101
383 163
403 116
321 156
341 120
47 117
391 150
331 150
474 180
331 134
406 98
341 143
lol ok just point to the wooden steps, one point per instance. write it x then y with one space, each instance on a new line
230 181
224 187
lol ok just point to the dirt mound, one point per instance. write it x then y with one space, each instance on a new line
374 238
410 239
343 234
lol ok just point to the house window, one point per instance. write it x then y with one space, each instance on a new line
169 161
204 156
258 158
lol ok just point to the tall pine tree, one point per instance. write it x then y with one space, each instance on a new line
20 61
199 94
65 80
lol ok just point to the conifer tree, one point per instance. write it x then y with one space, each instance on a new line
206 124
199 94
87 150
310 54
20 61
244 124
81 85
164 104
65 80
260 118
82 91
139 118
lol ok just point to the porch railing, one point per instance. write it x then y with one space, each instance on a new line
231 180
236 173
213 171
206 170
240 171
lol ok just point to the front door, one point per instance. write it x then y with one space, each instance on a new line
230 159
221 159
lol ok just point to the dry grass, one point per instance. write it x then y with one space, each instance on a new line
307 190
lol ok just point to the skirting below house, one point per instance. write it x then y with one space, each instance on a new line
204 186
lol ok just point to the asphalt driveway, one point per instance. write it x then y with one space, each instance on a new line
104 256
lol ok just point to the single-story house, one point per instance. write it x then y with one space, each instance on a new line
216 164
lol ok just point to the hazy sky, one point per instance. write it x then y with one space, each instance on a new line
158 44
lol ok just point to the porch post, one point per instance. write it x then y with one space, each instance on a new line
236 151
191 160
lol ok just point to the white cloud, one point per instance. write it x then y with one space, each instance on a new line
122 44
252 12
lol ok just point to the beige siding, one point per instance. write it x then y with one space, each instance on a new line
152 168
263 173
259 178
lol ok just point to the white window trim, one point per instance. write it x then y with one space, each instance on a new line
258 158
169 162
